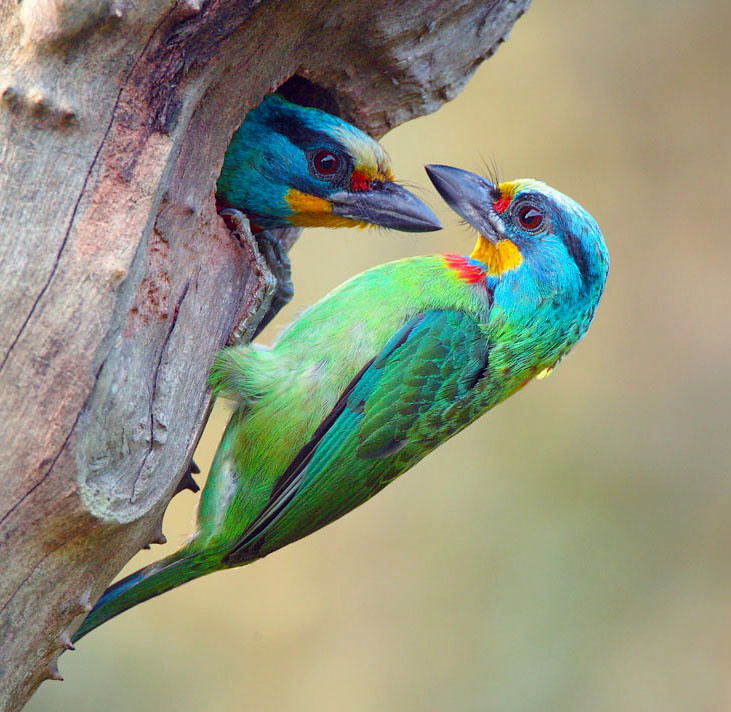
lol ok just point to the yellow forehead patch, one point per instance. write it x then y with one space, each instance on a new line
508 189
372 172
511 187
371 160
499 258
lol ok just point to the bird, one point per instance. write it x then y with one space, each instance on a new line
384 369
291 165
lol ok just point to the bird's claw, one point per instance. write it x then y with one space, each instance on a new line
273 268
281 268
236 222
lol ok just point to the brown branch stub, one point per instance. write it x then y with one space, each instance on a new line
118 282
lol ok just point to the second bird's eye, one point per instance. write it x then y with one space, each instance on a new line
530 218
326 163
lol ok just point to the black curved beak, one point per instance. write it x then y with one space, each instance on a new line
470 196
386 204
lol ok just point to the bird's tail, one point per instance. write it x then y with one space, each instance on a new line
151 581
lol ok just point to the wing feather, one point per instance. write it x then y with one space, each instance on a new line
398 399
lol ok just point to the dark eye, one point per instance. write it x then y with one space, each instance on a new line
530 218
326 163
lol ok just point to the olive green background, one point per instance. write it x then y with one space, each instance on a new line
570 551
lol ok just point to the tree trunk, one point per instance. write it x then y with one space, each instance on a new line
118 281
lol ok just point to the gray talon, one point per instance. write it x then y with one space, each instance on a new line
274 269
281 268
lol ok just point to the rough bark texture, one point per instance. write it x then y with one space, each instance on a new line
118 281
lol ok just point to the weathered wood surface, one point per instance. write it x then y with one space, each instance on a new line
118 282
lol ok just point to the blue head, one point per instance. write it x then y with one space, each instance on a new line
292 165
545 257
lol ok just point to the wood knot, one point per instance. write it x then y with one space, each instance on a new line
52 672
158 537
10 97
40 107
118 276
81 606
49 25
64 642
190 7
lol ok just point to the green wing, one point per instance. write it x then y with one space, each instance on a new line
414 395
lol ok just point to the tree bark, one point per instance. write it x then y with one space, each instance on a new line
118 281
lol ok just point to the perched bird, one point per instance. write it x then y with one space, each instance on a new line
383 370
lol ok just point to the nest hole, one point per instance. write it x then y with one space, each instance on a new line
304 92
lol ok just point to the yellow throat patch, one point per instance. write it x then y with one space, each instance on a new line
499 258
311 211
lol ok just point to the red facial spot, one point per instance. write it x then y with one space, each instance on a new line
359 182
501 205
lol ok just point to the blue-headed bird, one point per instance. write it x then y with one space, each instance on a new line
383 370
290 165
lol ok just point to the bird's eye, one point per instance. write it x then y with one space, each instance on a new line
326 163
530 218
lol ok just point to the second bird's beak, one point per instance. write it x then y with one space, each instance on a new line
388 205
471 197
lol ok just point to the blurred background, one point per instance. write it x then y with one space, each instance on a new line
572 549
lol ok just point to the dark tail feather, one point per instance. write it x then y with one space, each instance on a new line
147 583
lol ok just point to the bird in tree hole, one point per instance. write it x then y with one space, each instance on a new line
288 165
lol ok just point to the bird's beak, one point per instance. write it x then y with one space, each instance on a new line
388 205
471 197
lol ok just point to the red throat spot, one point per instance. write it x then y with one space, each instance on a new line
501 205
359 182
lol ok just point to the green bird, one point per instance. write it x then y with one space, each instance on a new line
383 370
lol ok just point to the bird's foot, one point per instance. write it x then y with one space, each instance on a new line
279 265
273 271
